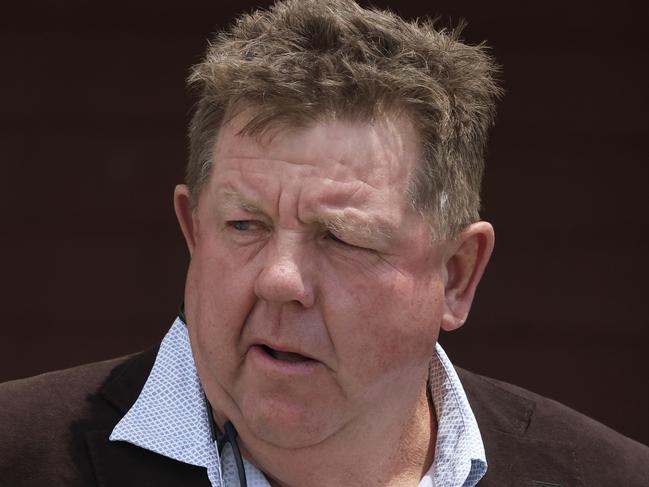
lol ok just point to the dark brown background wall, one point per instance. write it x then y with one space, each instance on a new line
92 123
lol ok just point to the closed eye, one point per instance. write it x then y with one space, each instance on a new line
331 236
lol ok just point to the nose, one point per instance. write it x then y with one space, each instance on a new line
284 275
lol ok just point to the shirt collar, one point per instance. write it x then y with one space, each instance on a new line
459 452
170 418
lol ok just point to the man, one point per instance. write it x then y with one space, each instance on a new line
331 214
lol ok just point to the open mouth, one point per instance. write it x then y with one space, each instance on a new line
285 356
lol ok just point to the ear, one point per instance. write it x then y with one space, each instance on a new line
467 258
185 215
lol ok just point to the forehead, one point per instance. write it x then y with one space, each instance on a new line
380 154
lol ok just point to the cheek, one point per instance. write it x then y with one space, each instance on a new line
219 295
388 326
220 279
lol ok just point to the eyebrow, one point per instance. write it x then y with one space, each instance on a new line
233 198
361 227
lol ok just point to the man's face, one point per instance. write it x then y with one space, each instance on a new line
314 295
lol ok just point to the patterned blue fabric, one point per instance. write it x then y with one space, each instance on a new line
459 452
170 418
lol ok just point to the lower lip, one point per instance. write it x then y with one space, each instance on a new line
265 360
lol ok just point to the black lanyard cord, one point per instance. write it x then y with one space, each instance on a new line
231 434
222 439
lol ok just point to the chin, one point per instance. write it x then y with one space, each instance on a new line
288 425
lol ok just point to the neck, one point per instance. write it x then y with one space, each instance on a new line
364 453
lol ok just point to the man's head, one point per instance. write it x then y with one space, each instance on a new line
315 293
306 61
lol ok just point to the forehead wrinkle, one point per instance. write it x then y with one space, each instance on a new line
265 159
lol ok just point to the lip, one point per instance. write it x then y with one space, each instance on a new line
264 360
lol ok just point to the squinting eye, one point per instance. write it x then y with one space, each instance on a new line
242 225
346 245
333 237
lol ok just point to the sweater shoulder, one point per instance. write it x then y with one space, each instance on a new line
44 419
55 395
602 454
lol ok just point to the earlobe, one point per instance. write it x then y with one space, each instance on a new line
469 255
185 216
